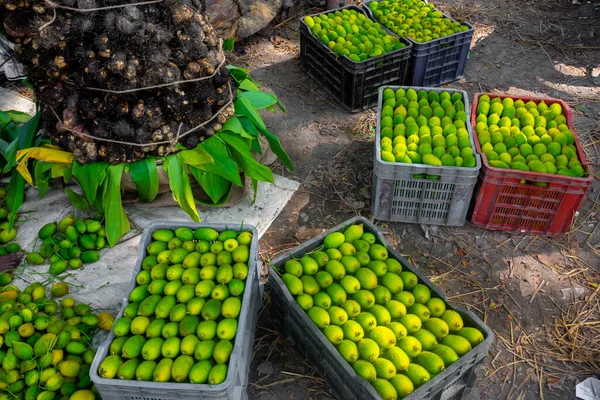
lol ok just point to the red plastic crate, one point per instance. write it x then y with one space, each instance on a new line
504 203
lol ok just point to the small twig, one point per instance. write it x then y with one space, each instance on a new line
537 290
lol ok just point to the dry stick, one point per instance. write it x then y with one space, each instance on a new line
537 290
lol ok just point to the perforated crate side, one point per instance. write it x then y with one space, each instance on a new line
341 378
504 203
353 84
399 196
234 386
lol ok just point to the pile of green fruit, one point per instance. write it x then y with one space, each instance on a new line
382 321
526 136
350 33
182 316
6 235
414 19
45 347
69 244
425 128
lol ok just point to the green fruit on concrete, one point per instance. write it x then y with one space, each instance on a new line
446 353
348 350
47 230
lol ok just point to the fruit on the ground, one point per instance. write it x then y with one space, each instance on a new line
527 136
47 343
350 33
425 128
390 330
417 20
185 331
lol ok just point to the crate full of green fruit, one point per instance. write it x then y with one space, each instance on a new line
371 324
187 328
425 166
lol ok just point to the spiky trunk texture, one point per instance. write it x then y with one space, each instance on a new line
120 49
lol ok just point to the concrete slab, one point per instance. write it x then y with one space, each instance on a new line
105 283
10 100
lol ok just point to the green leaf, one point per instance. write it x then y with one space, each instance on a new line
9 132
229 44
245 108
10 155
179 182
276 147
196 156
238 74
14 197
18 117
116 220
249 86
77 200
259 100
4 118
254 189
90 177
256 146
145 176
241 154
214 185
223 166
42 176
28 131
249 126
234 125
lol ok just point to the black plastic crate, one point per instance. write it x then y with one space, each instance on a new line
353 84
438 61
297 328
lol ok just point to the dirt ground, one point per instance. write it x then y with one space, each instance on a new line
539 295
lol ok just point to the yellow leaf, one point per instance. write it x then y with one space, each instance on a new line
42 154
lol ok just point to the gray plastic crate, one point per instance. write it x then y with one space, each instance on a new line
399 196
298 328
234 387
